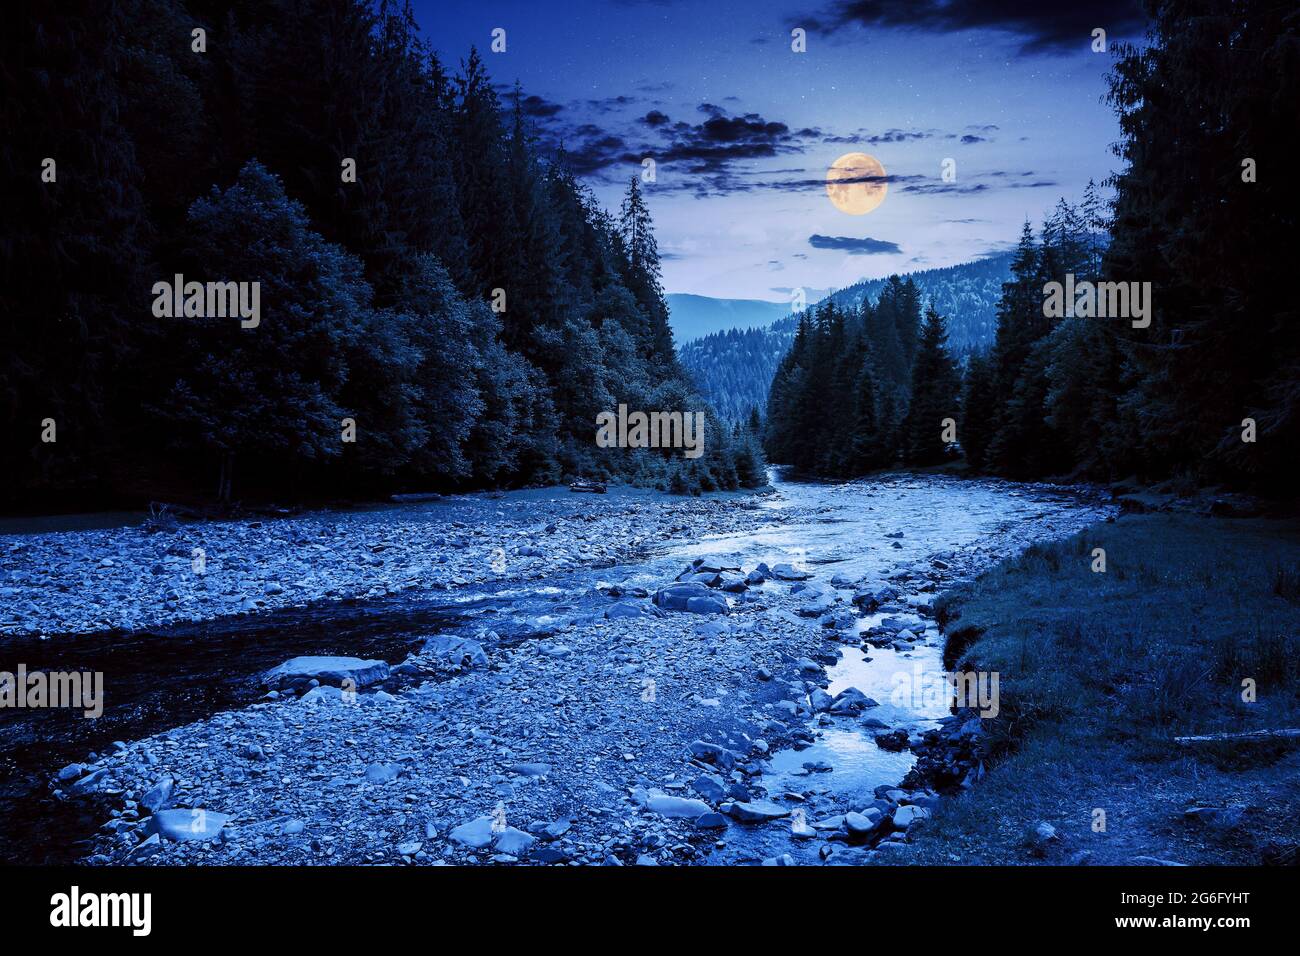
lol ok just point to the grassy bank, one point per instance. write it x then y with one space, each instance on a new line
1101 671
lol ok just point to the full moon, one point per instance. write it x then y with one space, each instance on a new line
856 183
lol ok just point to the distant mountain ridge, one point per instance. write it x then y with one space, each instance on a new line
734 368
695 316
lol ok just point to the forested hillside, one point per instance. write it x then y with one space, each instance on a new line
734 369
1196 377
428 280
695 316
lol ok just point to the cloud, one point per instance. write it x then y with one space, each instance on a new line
655 118
535 106
721 140
854 247
610 104
888 136
594 150
1043 27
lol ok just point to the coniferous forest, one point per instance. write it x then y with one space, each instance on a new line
1208 392
460 303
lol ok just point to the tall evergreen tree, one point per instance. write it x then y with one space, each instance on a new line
935 395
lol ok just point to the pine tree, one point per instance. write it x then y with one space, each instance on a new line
978 410
935 395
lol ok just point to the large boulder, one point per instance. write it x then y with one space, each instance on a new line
477 833
788 572
909 814
183 825
690 596
756 811
817 604
850 702
301 671
624 609
678 807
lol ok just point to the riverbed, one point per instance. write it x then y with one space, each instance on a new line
610 707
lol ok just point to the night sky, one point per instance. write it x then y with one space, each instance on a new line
742 129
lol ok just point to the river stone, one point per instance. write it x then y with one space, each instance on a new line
184 825
677 597
709 786
850 702
820 701
817 605
669 806
90 782
787 572
713 753
756 811
324 693
909 814
327 670
712 563
382 772
531 769
707 605
159 796
476 833
623 609
711 821
710 579
860 824
456 651
512 841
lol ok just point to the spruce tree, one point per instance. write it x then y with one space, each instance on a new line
935 395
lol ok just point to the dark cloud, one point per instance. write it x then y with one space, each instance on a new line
972 138
595 151
538 107
609 104
654 118
854 247
973 185
1044 27
862 137
721 140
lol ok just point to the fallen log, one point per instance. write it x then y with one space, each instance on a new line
1290 733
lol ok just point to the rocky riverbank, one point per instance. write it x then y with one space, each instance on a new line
133 577
647 729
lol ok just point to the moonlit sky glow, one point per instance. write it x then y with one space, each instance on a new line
742 129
